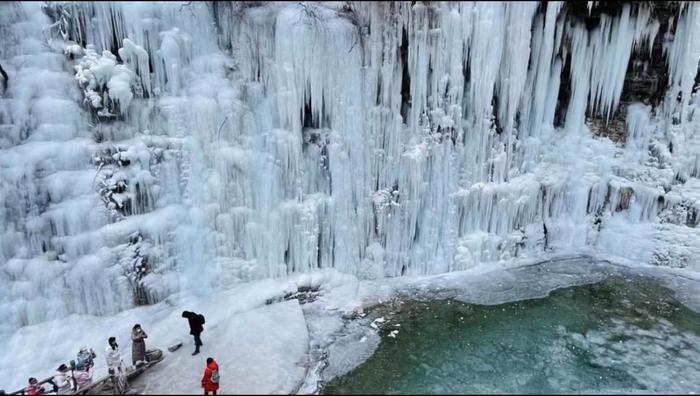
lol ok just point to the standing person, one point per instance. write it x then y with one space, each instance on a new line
196 321
210 380
84 368
63 382
83 378
115 367
138 344
85 358
34 388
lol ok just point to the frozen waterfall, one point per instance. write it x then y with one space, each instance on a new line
150 148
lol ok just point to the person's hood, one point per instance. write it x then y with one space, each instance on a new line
213 365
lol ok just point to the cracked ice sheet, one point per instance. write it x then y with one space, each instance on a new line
499 283
490 283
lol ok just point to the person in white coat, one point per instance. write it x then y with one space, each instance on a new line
115 367
63 381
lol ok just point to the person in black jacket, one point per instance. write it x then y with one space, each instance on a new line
196 321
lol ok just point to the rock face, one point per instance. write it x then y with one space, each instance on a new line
152 148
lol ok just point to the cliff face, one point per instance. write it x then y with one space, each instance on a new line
150 148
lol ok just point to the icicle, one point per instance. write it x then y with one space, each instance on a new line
539 75
590 5
603 56
683 59
136 58
376 139
514 68
638 122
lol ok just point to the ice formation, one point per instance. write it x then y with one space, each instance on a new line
147 149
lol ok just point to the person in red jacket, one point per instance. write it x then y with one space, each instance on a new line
34 388
210 380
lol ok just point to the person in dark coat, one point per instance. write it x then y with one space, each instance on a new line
138 344
196 321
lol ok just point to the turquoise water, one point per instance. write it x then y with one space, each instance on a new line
618 335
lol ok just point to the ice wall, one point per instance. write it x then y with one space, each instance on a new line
149 148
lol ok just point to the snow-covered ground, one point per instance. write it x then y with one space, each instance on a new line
266 344
260 348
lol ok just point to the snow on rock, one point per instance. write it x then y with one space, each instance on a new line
137 59
101 74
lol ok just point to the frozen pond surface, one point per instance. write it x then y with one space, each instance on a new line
624 333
